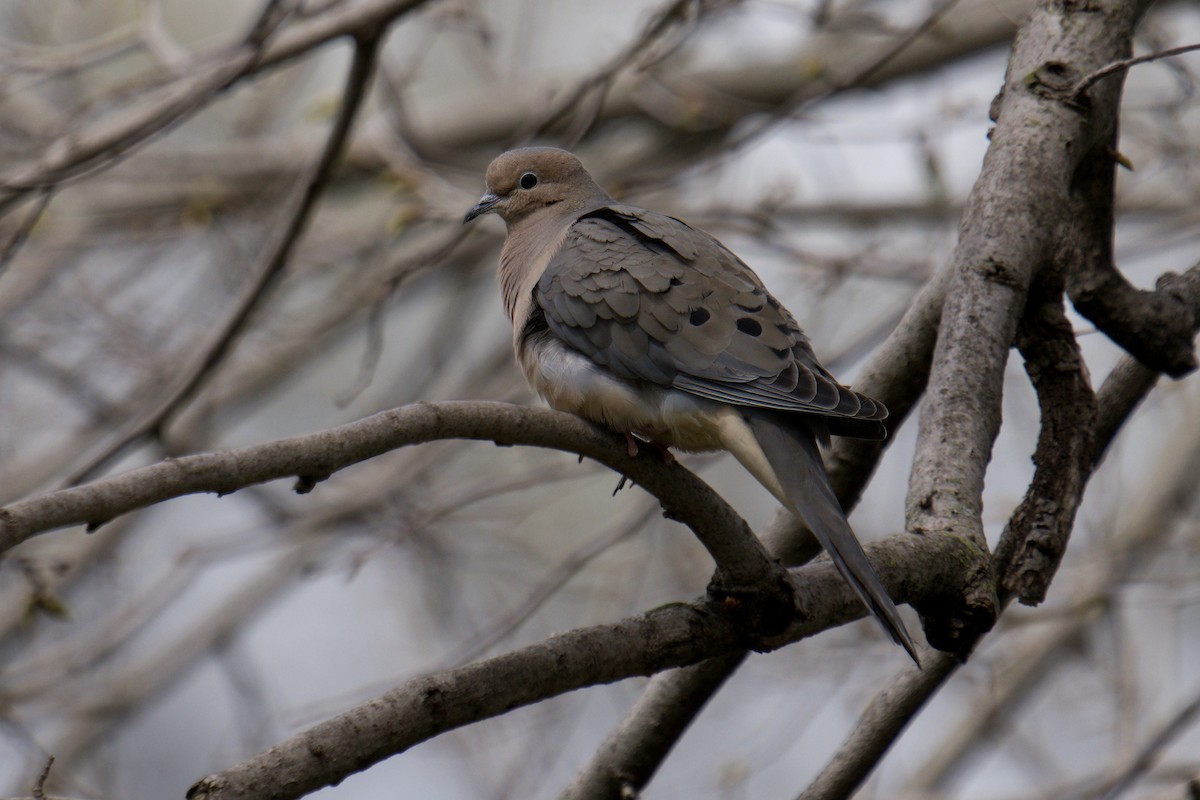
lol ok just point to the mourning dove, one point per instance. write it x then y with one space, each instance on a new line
642 324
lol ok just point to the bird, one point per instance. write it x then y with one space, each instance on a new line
649 327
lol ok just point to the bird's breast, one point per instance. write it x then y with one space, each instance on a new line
570 381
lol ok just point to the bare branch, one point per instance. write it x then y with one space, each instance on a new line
671 636
1064 459
891 710
20 231
116 275
1032 545
78 152
1065 455
675 15
39 786
632 753
1087 81
426 706
1149 753
880 725
1154 327
274 260
1022 669
99 146
1007 238
312 458
497 630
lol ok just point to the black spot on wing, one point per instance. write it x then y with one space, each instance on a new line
749 326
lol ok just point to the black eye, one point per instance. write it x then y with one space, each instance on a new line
528 180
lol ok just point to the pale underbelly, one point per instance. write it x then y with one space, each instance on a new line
569 381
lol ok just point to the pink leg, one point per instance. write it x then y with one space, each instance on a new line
664 451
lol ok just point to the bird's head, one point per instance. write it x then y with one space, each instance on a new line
521 182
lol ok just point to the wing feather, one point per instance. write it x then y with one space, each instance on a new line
655 300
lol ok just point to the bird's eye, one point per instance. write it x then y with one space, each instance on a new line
529 180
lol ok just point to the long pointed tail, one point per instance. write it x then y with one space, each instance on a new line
791 450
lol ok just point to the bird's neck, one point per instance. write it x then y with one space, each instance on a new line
531 242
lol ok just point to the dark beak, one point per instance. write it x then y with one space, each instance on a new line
485 204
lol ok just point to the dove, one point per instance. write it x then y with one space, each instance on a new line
646 326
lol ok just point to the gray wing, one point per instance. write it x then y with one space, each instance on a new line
655 300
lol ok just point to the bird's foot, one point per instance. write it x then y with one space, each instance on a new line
664 452
633 447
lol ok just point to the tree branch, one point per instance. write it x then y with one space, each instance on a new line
889 712
1008 236
1033 544
99 145
274 259
1087 81
80 151
1142 534
671 636
743 564
1155 327
1025 181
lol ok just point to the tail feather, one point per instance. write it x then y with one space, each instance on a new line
792 452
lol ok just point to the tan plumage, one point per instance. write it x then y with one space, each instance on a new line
640 323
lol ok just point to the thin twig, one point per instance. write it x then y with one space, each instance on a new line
103 144
39 786
21 231
1144 759
1087 81
500 628
676 14
273 262
314 457
100 145
860 78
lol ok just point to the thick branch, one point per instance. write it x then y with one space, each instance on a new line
892 709
740 557
1007 236
672 636
433 704
1155 327
1006 241
1145 526
1031 544
1035 539
1152 326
